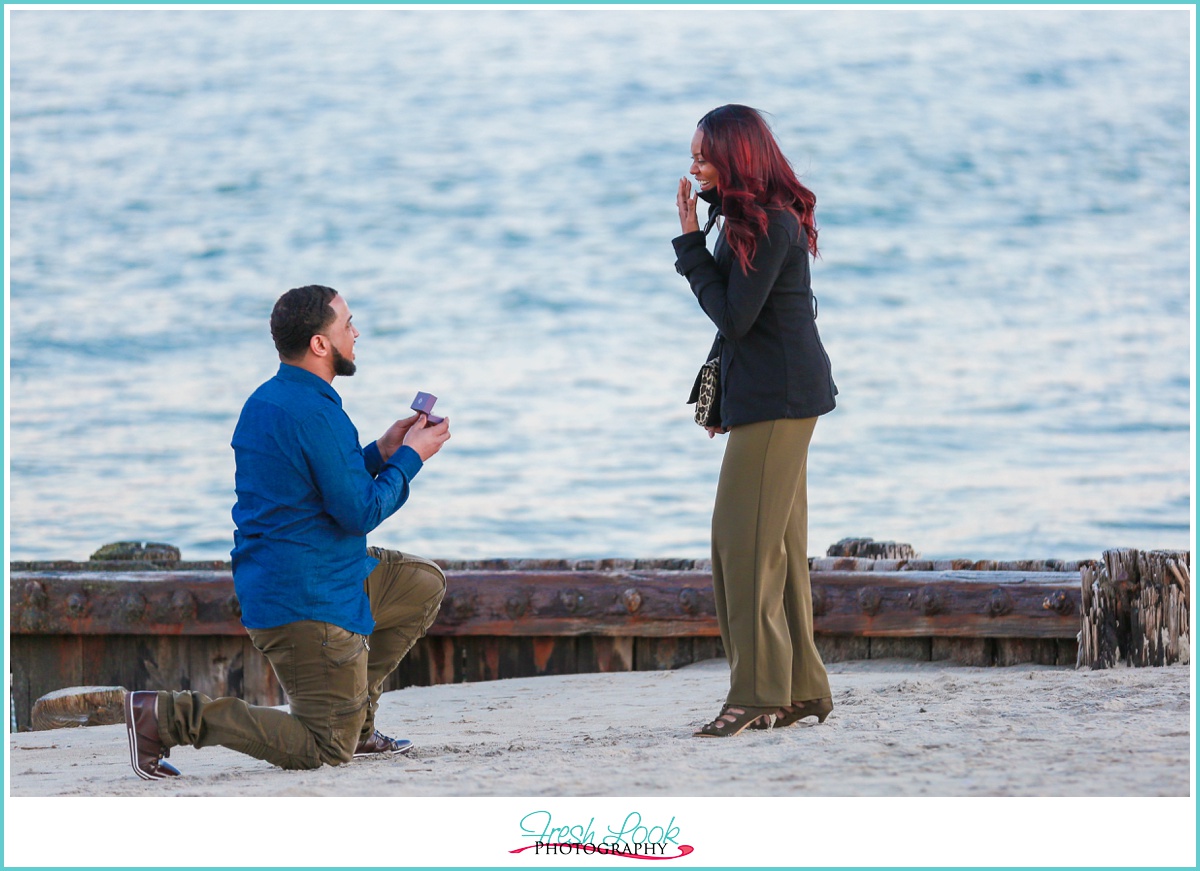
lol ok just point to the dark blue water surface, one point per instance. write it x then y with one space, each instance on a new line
1004 290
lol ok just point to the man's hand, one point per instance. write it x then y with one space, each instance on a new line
390 441
427 440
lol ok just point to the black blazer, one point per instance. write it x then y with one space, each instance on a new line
773 364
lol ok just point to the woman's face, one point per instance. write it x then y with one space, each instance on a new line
701 169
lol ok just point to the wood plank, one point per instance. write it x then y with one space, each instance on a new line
24 657
842 648
617 602
657 654
920 649
1018 651
217 667
707 647
40 665
116 660
142 603
414 669
553 655
1067 652
444 662
481 657
603 653
964 651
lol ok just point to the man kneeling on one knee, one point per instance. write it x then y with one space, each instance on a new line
332 616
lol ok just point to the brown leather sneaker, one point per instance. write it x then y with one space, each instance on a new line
381 743
146 751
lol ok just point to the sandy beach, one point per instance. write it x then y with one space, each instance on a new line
900 729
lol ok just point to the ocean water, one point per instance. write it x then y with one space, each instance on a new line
1005 286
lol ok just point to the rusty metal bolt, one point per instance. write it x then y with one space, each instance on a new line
132 607
516 606
870 600
1000 602
931 601
183 606
35 595
1059 602
632 599
462 607
572 600
819 605
689 601
77 604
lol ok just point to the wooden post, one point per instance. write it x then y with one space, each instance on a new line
1159 616
1135 609
79 706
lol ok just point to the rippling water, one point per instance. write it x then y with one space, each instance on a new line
1004 207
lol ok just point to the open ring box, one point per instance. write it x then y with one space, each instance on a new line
423 404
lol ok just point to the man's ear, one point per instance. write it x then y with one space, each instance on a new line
319 345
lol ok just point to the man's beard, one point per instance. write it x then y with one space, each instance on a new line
342 366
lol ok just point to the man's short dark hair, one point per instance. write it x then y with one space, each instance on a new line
300 314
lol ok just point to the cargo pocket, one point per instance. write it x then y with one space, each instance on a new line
342 646
346 665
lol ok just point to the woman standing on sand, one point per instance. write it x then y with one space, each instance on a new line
775 381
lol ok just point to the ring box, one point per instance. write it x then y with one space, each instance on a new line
423 404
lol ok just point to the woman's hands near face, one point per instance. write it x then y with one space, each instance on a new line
685 201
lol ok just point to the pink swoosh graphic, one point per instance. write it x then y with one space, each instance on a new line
684 850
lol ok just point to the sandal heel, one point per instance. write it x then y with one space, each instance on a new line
819 708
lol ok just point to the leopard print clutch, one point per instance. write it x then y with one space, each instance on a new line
707 393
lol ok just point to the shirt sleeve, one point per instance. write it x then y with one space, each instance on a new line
733 304
355 499
373 459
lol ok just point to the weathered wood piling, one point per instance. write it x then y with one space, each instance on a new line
79 706
1136 609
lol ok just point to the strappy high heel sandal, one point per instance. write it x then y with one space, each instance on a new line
732 720
789 714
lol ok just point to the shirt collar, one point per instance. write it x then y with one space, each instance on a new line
288 372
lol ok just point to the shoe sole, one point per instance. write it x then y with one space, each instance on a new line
399 752
739 730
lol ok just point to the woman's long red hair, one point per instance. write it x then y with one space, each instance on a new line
752 176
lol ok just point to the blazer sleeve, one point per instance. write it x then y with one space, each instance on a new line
734 304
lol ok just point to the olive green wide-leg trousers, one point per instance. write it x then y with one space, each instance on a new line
333 677
760 565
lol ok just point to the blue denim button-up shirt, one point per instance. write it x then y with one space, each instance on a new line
307 495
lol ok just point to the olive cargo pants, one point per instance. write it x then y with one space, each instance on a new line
333 678
760 565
